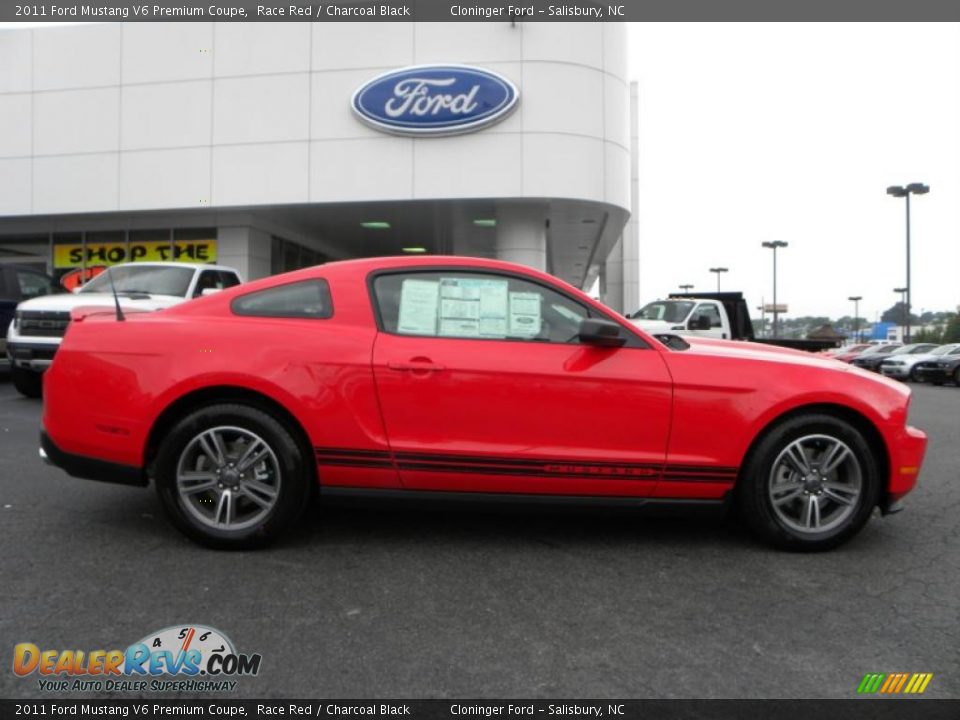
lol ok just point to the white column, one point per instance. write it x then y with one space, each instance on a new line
522 236
630 239
246 249
611 279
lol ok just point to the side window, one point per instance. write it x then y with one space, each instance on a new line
475 305
32 284
304 299
228 279
209 280
709 311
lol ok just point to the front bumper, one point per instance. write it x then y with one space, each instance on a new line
934 375
899 372
87 468
907 448
34 356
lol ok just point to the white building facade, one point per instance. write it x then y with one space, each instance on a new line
237 142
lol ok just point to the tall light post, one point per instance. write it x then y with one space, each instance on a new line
855 299
686 288
718 271
904 311
773 245
906 192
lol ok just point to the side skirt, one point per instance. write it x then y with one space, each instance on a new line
429 499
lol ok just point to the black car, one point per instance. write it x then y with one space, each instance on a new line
18 283
873 361
940 371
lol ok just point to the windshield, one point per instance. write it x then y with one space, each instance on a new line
148 279
877 349
672 311
944 349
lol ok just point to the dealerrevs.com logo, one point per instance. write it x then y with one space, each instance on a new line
180 658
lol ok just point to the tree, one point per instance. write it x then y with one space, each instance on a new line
896 316
951 332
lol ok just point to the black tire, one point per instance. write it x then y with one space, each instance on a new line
295 481
753 497
915 376
28 383
956 377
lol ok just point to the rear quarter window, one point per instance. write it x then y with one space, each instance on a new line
305 299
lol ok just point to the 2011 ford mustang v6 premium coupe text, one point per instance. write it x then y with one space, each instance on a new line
470 379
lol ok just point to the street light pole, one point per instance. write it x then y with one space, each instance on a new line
774 245
686 288
719 270
906 192
856 316
904 312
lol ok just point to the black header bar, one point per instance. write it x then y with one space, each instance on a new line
481 11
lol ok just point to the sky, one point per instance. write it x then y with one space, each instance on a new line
754 132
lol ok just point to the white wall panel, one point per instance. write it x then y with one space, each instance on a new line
15 124
15 186
159 115
562 98
158 52
260 174
464 166
165 178
457 42
565 42
562 166
616 115
347 45
77 56
76 183
261 109
16 60
76 121
373 169
243 48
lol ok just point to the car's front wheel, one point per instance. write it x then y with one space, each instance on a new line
232 477
915 375
28 383
810 484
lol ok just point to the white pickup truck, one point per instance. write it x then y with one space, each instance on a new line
39 324
719 315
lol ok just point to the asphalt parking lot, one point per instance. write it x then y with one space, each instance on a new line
384 603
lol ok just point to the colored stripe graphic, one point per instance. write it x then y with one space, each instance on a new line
530 467
894 683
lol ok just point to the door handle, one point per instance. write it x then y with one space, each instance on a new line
416 366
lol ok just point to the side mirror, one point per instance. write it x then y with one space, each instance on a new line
603 333
700 322
209 291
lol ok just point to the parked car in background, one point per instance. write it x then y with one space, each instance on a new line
39 324
845 350
906 367
868 350
872 361
16 285
942 370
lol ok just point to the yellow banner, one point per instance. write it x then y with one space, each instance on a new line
186 251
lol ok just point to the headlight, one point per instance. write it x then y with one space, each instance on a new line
16 320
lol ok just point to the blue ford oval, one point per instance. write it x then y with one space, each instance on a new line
435 100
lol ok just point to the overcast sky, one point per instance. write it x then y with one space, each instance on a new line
753 132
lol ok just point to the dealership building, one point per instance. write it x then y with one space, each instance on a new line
245 144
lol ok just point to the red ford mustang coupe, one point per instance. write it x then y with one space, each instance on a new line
464 378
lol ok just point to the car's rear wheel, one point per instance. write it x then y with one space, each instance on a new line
232 477
28 383
810 484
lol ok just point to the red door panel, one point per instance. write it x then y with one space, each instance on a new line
523 417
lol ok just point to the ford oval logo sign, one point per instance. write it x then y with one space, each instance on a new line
435 100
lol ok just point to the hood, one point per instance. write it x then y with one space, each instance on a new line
69 301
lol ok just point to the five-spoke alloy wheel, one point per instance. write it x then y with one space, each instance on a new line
810 483
232 476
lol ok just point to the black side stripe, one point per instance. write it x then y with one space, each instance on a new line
526 467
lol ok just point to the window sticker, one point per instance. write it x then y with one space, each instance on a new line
471 307
524 319
418 307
